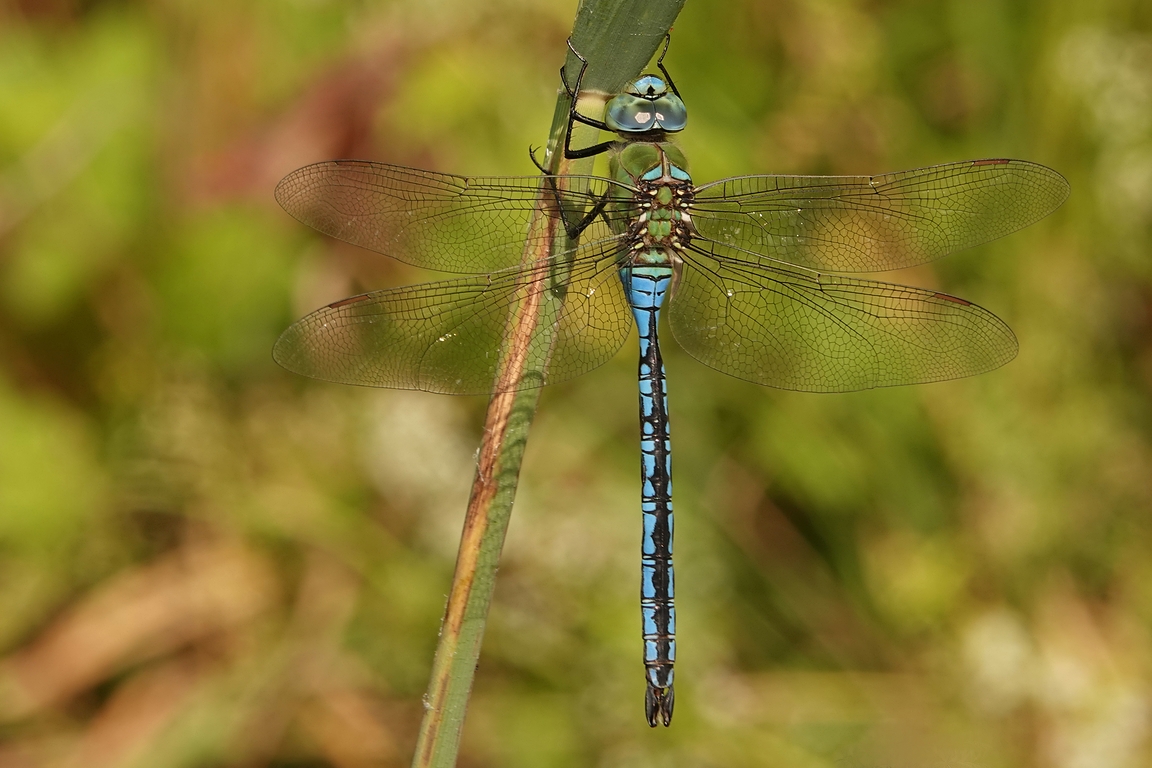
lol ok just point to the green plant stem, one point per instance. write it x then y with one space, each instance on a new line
618 37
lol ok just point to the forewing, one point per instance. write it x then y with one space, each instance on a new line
875 223
446 336
793 328
435 220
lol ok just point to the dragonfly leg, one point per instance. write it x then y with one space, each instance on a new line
574 115
663 70
535 162
595 149
572 230
596 210
574 90
575 230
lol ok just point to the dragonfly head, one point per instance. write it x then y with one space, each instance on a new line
646 105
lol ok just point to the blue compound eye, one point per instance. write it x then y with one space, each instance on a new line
648 87
630 114
671 114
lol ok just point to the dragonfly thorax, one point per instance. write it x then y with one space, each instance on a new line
663 229
646 105
649 161
659 224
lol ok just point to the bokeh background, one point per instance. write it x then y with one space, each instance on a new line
206 561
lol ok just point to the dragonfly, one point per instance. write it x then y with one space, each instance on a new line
756 272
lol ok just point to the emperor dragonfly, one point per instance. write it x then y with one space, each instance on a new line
744 264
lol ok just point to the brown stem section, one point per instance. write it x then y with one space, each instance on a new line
623 33
486 519
476 526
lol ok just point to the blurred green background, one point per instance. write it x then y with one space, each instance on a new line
206 561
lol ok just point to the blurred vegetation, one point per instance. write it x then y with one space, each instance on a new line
205 561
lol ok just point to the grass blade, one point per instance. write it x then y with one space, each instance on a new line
618 37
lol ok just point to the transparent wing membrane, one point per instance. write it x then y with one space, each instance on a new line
438 221
875 223
446 336
738 306
793 328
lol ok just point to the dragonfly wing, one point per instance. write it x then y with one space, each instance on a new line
875 223
446 336
436 220
794 328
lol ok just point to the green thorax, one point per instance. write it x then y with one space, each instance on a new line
652 203
640 161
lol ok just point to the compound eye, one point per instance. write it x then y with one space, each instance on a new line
630 114
671 114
